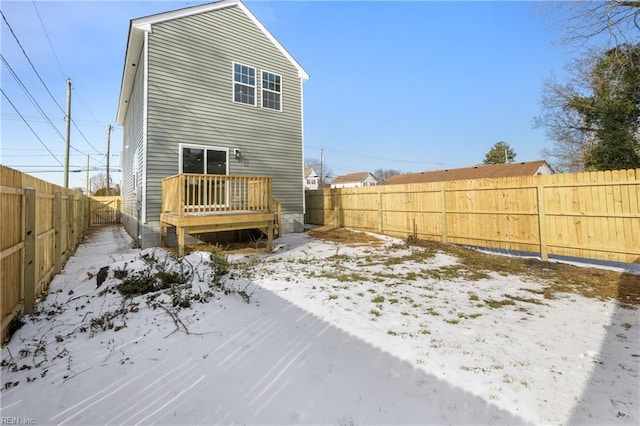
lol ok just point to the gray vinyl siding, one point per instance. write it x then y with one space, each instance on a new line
133 134
190 100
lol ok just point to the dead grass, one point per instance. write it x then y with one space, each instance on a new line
596 283
227 248
499 303
344 236
474 265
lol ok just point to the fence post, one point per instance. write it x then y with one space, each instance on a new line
380 216
541 224
57 225
77 230
336 209
88 210
70 226
29 283
83 214
444 215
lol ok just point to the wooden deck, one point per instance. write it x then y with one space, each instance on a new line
197 204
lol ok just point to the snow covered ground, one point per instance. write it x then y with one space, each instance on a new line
332 334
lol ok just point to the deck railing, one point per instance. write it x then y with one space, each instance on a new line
201 194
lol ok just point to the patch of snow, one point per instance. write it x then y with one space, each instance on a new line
332 335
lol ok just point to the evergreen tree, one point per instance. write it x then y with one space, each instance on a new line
595 118
613 110
499 153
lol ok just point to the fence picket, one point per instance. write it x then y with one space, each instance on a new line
37 234
591 215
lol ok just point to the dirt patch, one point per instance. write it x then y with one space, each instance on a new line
232 248
629 290
344 236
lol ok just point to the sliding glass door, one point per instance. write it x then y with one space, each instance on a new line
204 160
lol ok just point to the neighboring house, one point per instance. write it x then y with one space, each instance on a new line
481 171
354 180
311 179
207 89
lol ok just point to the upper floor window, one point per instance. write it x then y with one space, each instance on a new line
244 84
271 91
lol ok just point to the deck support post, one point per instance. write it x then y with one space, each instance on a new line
270 237
190 204
181 231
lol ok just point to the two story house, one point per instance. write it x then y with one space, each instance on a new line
311 179
354 180
211 109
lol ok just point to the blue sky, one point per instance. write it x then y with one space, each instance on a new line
411 86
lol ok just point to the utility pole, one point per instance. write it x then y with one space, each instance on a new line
506 156
109 127
88 189
68 138
321 167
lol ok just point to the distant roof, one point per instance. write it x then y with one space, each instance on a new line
135 43
351 177
308 171
481 171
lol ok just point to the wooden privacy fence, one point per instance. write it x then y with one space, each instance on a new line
41 224
104 210
592 215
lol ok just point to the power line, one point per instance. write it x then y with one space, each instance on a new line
30 63
44 84
48 39
94 168
73 170
84 137
43 166
30 128
86 107
373 156
79 154
64 75
43 113
7 116
30 96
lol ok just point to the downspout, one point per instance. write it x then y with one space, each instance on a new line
304 198
145 118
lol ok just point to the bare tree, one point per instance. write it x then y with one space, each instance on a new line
593 117
320 169
573 137
98 185
383 174
596 28
584 22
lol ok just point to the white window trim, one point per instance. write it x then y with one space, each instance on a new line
205 148
234 82
262 90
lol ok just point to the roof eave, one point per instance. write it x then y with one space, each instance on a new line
134 48
302 74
